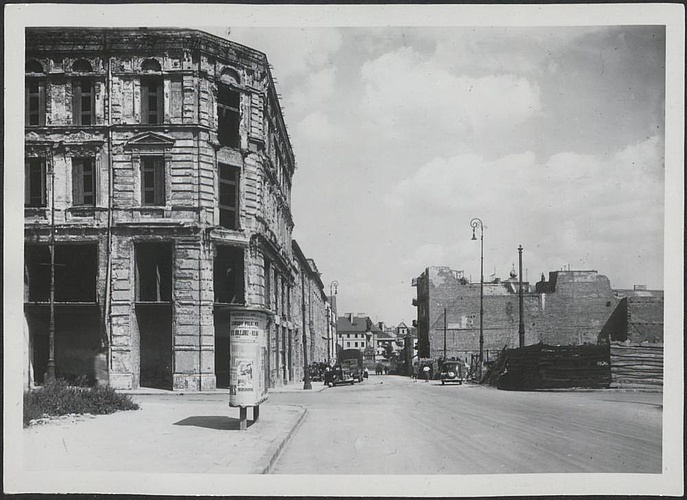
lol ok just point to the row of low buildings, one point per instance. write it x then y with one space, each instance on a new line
159 169
572 307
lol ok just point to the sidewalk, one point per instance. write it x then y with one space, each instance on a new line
170 433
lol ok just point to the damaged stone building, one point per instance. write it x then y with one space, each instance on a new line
159 168
572 307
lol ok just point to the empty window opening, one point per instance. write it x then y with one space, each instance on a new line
83 102
153 180
34 182
228 275
76 272
82 66
151 65
228 116
151 100
35 102
153 272
83 181
228 196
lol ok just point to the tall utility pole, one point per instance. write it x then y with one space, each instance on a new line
521 326
444 334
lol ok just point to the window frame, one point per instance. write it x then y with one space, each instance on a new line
232 184
79 183
29 164
228 116
34 104
156 165
78 94
148 82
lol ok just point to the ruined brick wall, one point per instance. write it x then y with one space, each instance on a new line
573 314
645 319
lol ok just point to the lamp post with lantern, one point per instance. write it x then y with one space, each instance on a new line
477 223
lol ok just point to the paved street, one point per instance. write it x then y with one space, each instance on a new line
390 425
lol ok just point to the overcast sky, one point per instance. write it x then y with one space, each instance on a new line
554 137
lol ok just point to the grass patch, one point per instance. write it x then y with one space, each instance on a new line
58 397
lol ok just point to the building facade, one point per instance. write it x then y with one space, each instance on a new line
158 174
570 308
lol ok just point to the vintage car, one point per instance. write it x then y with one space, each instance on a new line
338 375
451 371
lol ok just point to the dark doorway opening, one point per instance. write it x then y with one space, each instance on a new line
154 313
155 328
222 315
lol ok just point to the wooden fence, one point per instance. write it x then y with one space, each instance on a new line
636 366
543 366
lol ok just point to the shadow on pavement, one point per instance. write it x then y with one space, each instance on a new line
220 423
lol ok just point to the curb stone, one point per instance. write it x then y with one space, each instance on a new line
270 457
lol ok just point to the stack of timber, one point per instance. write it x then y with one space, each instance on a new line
636 366
543 366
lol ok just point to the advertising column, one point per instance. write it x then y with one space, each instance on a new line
248 356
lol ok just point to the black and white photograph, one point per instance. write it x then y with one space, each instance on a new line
344 250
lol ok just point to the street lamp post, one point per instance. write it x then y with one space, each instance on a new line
475 223
333 289
521 325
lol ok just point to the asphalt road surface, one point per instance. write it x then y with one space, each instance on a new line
391 425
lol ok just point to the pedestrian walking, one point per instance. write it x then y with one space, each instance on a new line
425 370
415 372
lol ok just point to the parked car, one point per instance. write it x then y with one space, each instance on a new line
338 375
451 371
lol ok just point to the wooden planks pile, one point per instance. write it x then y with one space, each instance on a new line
636 366
543 366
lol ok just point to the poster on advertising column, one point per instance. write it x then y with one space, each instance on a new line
248 354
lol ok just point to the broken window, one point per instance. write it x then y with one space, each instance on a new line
83 102
268 284
76 271
153 180
83 181
34 182
35 102
228 196
228 116
228 275
153 272
151 100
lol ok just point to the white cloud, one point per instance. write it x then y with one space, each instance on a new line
316 128
587 211
314 93
410 97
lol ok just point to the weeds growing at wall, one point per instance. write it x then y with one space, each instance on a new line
61 398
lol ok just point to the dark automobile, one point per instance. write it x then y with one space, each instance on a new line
452 371
338 375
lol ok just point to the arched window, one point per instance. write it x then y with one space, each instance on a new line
151 65
230 77
33 66
82 66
